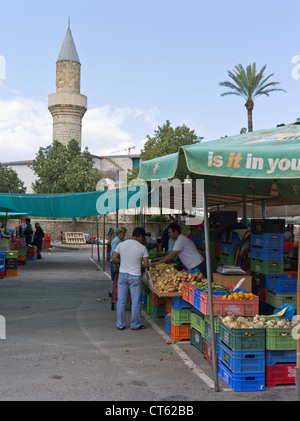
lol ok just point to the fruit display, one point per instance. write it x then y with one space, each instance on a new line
238 296
166 278
234 322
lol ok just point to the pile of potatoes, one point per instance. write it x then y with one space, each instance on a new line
166 278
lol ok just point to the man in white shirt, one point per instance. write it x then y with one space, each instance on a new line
185 249
130 254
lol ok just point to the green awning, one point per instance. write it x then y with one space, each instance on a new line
252 163
73 205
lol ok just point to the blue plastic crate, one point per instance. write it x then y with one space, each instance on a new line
267 240
144 298
266 253
281 284
198 241
242 361
177 303
227 248
242 381
168 323
280 357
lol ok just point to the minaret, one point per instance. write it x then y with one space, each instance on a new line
67 105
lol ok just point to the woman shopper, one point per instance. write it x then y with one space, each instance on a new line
38 239
129 254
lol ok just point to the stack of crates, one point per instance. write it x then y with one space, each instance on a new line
180 319
229 249
20 245
2 264
242 358
266 252
197 329
5 244
207 337
157 306
280 357
11 263
47 241
31 253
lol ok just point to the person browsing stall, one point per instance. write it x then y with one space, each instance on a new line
129 254
185 249
120 235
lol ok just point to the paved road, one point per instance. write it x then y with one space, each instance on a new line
62 345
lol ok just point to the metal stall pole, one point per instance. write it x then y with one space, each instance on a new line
103 246
98 238
117 219
209 288
298 336
92 255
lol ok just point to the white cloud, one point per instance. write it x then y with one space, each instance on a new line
26 125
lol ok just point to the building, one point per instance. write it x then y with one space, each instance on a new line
67 107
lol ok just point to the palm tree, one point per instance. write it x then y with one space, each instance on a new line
249 84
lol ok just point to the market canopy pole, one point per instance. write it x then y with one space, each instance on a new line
209 288
298 335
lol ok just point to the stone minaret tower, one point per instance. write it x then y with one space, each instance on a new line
67 105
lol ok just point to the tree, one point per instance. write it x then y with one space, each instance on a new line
64 169
9 181
249 84
165 141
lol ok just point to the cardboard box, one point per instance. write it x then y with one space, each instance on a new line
231 280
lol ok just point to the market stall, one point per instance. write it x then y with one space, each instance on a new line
260 168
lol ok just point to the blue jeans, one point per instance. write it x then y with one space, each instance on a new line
132 283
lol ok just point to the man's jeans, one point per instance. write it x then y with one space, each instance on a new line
132 283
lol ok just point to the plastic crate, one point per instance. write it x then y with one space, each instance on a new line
149 303
287 246
227 259
267 240
158 311
223 217
11 273
217 249
227 248
11 254
207 335
197 322
207 352
168 323
185 291
179 317
216 322
260 226
242 381
144 298
280 374
179 333
198 241
266 266
280 357
276 300
266 253
191 294
156 300
2 274
242 361
197 340
229 307
177 303
280 339
243 339
281 284
31 258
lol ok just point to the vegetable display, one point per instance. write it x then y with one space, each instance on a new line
234 322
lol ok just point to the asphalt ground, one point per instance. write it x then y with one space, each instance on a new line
61 343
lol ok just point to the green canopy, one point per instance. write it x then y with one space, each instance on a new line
73 205
262 163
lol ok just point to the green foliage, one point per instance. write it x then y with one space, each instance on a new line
165 141
248 83
9 181
64 169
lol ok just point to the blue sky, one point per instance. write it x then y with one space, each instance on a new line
144 62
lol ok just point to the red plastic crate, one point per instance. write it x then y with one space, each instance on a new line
156 301
287 246
229 307
208 352
191 294
280 374
178 333
169 302
185 291
2 274
217 249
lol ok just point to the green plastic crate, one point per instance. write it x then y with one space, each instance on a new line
158 311
197 323
11 254
227 259
280 339
243 339
267 267
276 300
216 322
207 336
197 340
149 303
179 317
